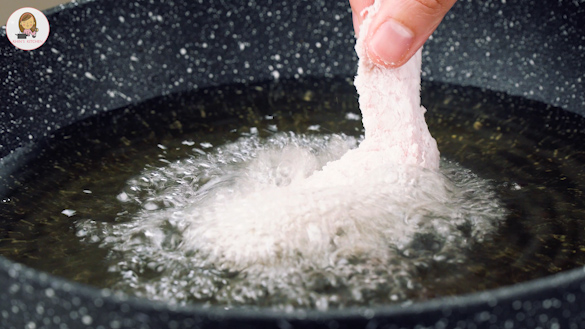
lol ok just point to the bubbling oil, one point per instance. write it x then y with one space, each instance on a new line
147 200
230 226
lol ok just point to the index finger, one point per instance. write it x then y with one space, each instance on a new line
357 6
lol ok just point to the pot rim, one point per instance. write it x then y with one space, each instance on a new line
492 297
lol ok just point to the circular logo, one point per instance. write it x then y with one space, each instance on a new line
27 28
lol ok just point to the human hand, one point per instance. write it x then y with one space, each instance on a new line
400 27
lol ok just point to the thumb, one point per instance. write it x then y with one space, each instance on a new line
401 27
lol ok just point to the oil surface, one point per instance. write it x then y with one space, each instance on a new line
107 200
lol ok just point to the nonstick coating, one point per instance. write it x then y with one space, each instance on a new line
102 55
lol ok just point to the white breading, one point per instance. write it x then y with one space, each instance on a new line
356 205
390 103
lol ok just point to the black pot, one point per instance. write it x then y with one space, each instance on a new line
103 55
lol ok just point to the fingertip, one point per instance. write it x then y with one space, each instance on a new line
390 44
382 63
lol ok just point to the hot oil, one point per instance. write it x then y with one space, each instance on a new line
109 200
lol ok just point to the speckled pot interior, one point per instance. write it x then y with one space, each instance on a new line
103 55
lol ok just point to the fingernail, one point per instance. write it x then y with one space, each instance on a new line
391 42
356 24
